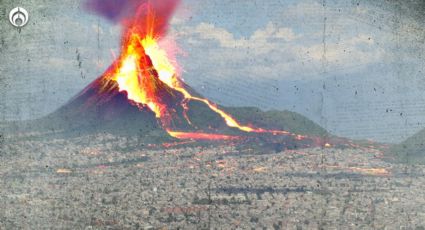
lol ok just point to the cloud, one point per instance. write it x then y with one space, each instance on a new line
276 52
262 40
358 50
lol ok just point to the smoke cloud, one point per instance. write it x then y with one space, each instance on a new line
136 14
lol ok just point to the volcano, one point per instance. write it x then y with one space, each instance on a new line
102 107
141 92
145 76
132 98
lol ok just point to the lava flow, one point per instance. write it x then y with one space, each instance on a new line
145 72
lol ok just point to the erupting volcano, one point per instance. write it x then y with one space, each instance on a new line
147 74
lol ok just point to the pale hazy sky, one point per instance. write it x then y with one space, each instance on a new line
354 67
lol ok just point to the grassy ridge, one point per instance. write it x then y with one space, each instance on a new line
274 119
411 151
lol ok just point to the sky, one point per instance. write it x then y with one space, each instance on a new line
354 67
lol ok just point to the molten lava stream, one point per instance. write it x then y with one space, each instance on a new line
201 136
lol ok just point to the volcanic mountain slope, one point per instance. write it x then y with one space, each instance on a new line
100 107
89 112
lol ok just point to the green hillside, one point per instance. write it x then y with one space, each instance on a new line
411 151
273 119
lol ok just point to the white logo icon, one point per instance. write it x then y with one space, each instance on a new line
18 17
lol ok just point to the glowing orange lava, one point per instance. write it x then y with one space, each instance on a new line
202 136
